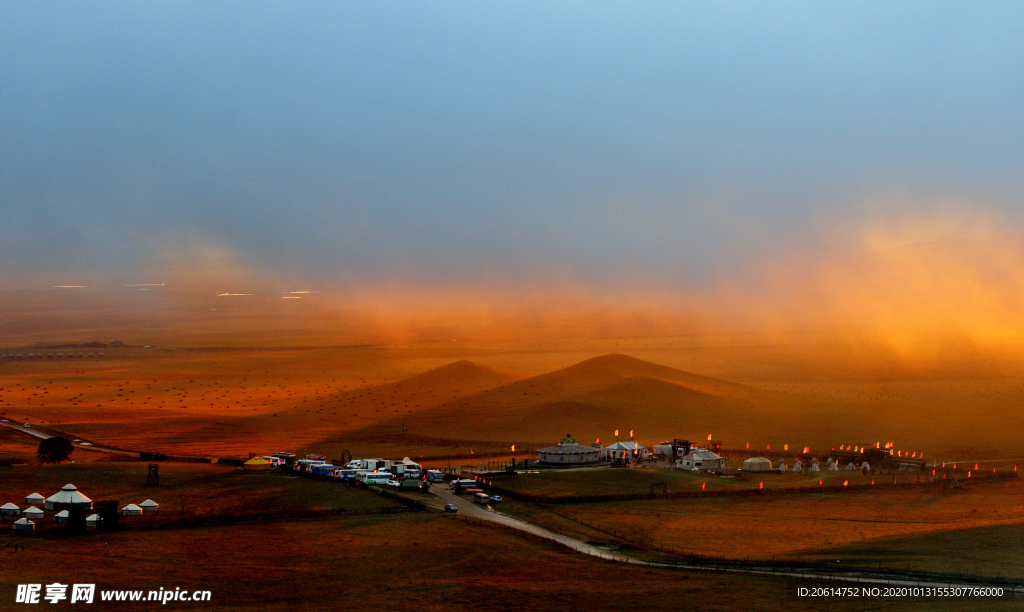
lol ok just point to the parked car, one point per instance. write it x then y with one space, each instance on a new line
393 483
495 499
450 508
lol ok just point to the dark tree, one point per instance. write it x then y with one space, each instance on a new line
54 450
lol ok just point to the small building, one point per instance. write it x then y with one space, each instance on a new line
92 520
131 510
10 509
33 513
34 499
700 460
68 494
61 517
570 453
150 506
627 450
757 464
23 523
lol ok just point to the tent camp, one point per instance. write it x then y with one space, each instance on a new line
10 509
61 517
34 499
257 463
700 459
68 494
757 464
33 513
131 510
23 523
150 506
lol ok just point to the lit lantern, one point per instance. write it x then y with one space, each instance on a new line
785 447
760 485
846 483
703 486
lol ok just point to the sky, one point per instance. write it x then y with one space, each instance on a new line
662 146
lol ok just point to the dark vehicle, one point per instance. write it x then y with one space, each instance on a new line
450 508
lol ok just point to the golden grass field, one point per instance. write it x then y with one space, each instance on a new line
440 400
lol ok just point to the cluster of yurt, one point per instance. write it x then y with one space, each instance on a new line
68 494
149 507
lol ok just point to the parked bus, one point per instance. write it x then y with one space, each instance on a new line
482 498
374 477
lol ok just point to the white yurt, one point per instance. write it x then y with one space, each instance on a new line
700 459
33 513
570 453
23 523
798 466
757 464
131 510
150 506
625 450
850 467
61 517
68 494
10 509
782 465
814 467
93 520
34 499
865 466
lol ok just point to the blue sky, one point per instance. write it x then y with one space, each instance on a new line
497 144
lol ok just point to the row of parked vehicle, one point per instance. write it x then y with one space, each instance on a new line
403 474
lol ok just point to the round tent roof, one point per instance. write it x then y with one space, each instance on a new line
757 464
33 512
92 518
24 523
9 506
34 498
149 504
62 514
68 494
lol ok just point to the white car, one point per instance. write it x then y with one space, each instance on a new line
394 483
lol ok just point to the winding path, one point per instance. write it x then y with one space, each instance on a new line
467 507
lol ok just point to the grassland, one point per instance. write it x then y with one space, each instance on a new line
397 401
406 562
899 528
